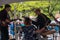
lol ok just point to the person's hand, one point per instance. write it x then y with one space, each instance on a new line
8 21
37 31
3 23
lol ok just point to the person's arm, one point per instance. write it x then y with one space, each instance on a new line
2 18
40 30
48 32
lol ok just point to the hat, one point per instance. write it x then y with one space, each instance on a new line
53 22
58 19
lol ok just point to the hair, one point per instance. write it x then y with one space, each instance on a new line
27 20
7 6
37 9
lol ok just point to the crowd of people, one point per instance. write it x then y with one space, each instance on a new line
27 29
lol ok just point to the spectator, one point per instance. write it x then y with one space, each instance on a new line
28 29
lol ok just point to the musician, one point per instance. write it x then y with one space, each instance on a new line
41 21
28 29
4 21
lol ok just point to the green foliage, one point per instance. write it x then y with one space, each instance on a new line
27 6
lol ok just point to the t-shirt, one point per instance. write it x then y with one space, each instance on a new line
11 26
4 15
28 31
56 28
41 21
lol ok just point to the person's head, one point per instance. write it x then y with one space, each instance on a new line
7 7
37 11
27 21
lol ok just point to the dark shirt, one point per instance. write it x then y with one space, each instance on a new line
28 31
4 15
41 21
